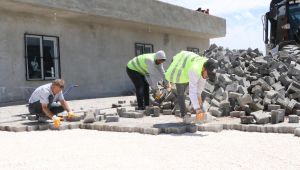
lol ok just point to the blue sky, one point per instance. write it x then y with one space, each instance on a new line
243 17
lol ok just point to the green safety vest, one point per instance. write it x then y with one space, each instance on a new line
139 63
182 63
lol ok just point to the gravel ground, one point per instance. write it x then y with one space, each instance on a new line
84 149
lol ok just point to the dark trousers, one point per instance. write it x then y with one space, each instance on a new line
36 108
181 88
141 87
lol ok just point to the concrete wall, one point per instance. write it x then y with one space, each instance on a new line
93 54
147 12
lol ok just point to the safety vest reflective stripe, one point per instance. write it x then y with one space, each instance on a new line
177 64
139 63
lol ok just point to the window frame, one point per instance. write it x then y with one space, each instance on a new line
143 45
42 38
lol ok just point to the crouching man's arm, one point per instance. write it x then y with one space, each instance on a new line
46 110
65 105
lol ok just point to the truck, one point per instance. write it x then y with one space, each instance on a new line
281 26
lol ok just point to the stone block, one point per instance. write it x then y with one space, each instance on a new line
18 128
233 87
261 117
298 112
215 111
293 119
63 126
297 132
151 131
167 112
132 114
89 117
209 87
247 120
234 95
237 114
74 126
277 86
291 104
112 119
210 128
191 128
215 103
121 101
245 99
121 110
99 118
156 111
277 116
32 128
273 107
167 105
44 126
32 117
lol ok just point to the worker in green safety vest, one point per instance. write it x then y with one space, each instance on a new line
144 70
190 69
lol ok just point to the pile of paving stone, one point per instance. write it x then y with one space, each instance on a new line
258 89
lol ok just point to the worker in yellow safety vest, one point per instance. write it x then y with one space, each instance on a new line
144 70
190 69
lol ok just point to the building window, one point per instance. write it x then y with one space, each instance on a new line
42 57
192 49
141 48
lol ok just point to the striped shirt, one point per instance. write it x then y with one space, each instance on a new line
42 94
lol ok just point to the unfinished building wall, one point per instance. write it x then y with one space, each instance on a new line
92 54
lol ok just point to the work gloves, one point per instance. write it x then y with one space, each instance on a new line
56 121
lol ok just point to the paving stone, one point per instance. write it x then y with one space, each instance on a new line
156 111
210 128
74 126
63 126
297 132
191 128
245 99
89 117
277 86
209 87
151 131
261 117
237 114
121 101
252 128
18 128
167 106
234 95
132 114
100 118
167 112
112 119
291 104
45 126
32 128
215 103
298 112
273 107
215 111
277 116
247 120
32 117
73 119
121 110
233 87
293 119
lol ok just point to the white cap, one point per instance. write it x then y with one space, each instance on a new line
160 55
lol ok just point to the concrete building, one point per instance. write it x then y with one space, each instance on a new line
89 42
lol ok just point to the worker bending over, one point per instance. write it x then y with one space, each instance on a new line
144 70
190 69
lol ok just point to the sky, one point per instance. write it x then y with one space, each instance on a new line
243 20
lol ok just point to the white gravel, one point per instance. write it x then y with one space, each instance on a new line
86 149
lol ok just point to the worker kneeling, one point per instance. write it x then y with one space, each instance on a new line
190 69
144 70
43 102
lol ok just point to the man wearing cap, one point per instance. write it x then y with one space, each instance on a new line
43 101
190 69
145 70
